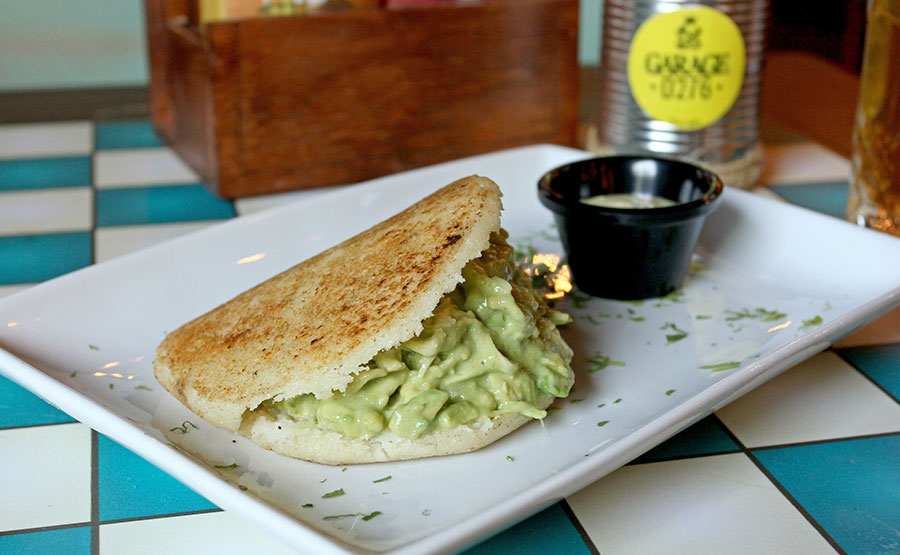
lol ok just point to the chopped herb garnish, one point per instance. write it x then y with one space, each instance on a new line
335 493
619 400
814 321
576 400
590 318
111 386
670 392
73 374
307 505
227 466
603 423
721 367
344 469
93 347
637 319
362 516
601 405
242 488
760 314
183 429
673 337
509 458
385 479
142 388
335 517
703 317
426 512
599 362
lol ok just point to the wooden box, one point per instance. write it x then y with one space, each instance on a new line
263 105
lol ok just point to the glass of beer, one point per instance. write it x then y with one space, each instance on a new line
874 194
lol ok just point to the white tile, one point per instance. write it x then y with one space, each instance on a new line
46 211
32 140
821 398
883 331
6 290
140 167
795 163
110 242
717 504
47 476
212 533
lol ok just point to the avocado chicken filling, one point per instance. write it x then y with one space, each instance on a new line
491 347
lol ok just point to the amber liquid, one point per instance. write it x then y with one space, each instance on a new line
874 195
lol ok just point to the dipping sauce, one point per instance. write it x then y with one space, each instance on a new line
628 200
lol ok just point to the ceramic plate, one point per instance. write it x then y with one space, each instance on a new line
771 285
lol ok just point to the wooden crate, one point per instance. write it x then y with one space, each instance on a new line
273 104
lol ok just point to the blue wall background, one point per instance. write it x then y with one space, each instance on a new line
59 44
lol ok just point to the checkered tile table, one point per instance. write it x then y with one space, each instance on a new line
807 463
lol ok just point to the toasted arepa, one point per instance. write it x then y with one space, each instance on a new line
310 328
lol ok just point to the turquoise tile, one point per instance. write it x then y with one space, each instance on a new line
23 408
880 363
828 198
549 531
45 173
65 541
130 487
125 134
152 205
706 437
850 488
35 258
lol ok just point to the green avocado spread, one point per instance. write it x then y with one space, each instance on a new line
491 347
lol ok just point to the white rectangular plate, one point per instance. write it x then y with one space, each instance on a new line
772 284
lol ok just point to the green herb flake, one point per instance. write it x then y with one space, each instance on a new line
73 374
385 479
619 400
142 388
227 466
576 400
577 299
599 362
814 321
242 488
426 512
593 318
703 317
183 429
637 319
509 458
335 517
371 515
344 469
335 493
93 347
602 423
673 337
761 314
670 392
601 405
307 505
111 386
721 367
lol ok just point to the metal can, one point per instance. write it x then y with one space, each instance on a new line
681 79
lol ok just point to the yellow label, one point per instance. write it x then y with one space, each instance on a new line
687 67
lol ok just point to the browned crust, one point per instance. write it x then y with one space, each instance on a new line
310 328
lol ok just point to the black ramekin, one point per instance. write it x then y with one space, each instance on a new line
629 253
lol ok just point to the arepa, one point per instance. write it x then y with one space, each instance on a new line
321 336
